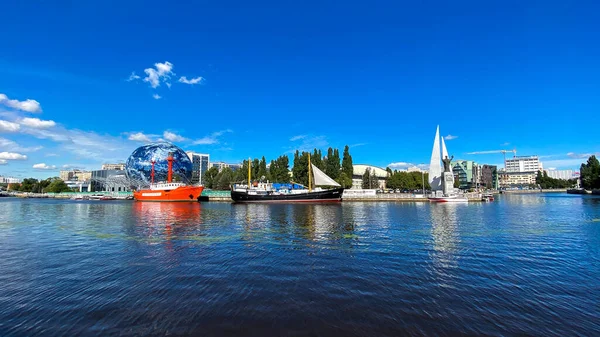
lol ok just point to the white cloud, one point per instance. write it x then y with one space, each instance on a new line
485 152
139 137
3 161
309 143
6 126
582 155
295 138
400 165
28 105
8 144
43 166
162 73
450 137
213 138
173 137
133 77
192 81
51 155
156 96
12 156
505 144
551 169
37 123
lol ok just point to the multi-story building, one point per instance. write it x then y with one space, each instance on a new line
75 175
109 181
562 174
358 171
200 164
467 173
520 171
517 179
118 167
489 176
221 165
523 164
9 180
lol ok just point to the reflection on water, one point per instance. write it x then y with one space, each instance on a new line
524 265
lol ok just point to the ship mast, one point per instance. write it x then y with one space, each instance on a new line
170 172
152 172
309 174
249 172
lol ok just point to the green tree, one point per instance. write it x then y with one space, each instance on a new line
224 179
315 159
300 169
590 173
347 168
366 179
262 169
208 180
57 186
374 180
279 170
333 163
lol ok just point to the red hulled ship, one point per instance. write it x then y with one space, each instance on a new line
169 190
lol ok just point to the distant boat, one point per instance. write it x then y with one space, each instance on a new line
270 193
436 174
169 190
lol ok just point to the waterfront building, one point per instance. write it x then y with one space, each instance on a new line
79 185
221 165
523 164
467 173
109 181
517 179
9 180
489 176
200 164
358 171
562 174
118 167
75 175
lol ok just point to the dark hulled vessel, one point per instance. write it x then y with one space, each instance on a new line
241 194
268 192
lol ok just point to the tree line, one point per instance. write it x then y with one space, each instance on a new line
278 171
589 173
404 180
49 185
544 181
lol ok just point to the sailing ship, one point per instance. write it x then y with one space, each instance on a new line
270 193
169 190
442 182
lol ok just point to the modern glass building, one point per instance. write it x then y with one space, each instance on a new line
200 164
466 171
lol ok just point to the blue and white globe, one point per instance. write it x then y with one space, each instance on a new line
139 164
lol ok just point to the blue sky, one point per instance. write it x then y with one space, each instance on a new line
246 79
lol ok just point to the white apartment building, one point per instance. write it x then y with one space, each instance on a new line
523 164
562 174
9 180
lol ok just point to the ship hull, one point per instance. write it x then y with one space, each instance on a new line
332 195
184 193
449 199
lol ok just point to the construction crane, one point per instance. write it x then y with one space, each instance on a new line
514 151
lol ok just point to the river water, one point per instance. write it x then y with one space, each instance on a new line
525 264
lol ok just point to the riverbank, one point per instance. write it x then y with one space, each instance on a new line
555 190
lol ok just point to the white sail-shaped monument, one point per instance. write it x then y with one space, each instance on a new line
435 168
444 151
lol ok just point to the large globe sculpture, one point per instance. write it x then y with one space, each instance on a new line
138 167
